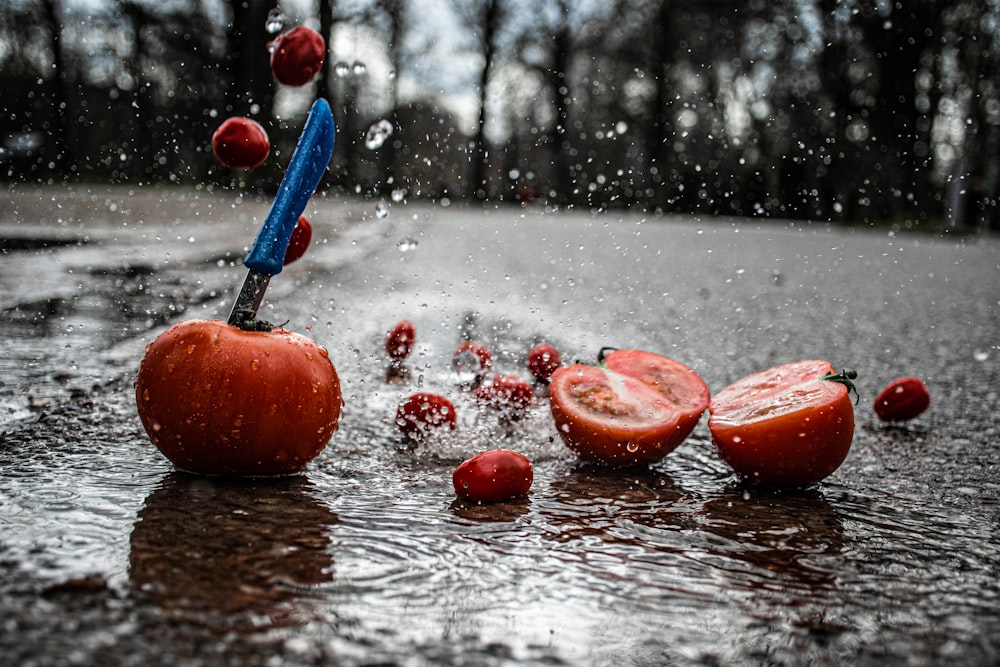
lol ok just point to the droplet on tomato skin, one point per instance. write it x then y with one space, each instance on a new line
255 365
632 447
737 439
145 397
281 456
309 356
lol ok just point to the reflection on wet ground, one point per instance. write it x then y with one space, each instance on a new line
107 555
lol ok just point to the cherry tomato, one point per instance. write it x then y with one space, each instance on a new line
297 55
299 241
543 360
788 426
902 400
399 342
218 400
505 392
472 357
493 476
240 143
423 413
634 409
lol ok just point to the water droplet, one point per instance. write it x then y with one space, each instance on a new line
382 210
398 195
341 69
255 365
407 244
377 134
275 21
359 68
145 394
981 355
632 446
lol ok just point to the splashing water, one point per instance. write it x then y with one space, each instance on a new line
382 210
359 68
398 195
341 69
275 21
377 134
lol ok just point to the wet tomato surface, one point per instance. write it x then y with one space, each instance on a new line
240 143
506 392
902 400
400 340
297 56
218 400
634 409
299 241
788 426
423 413
543 360
493 476
472 357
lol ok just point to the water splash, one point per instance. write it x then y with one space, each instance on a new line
377 134
275 22
341 69
382 210
359 68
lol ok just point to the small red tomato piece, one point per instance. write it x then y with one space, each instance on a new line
399 342
472 357
902 400
505 392
240 143
297 55
493 476
788 426
424 412
297 244
543 360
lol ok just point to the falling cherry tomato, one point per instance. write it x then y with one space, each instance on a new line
299 241
219 400
902 400
472 357
297 56
240 143
400 340
493 476
424 413
507 393
543 360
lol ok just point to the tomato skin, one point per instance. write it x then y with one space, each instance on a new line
423 413
472 356
543 360
493 476
297 56
299 241
505 392
784 427
634 410
240 143
400 340
902 400
217 400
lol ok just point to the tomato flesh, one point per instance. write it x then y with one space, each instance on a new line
634 410
902 400
297 56
493 476
784 427
218 400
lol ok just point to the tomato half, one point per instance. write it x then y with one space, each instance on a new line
297 56
636 408
218 400
493 476
902 400
788 426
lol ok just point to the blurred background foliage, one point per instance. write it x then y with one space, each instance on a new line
859 111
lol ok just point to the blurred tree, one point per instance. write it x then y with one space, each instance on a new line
61 156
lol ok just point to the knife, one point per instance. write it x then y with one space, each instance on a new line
267 254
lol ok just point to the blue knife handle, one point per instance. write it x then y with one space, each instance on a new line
309 162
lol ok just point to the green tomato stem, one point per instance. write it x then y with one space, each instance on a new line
845 378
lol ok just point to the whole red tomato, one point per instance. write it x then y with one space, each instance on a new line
218 400
472 357
788 426
634 409
400 340
902 400
297 55
240 143
299 241
493 476
505 392
423 413
543 360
